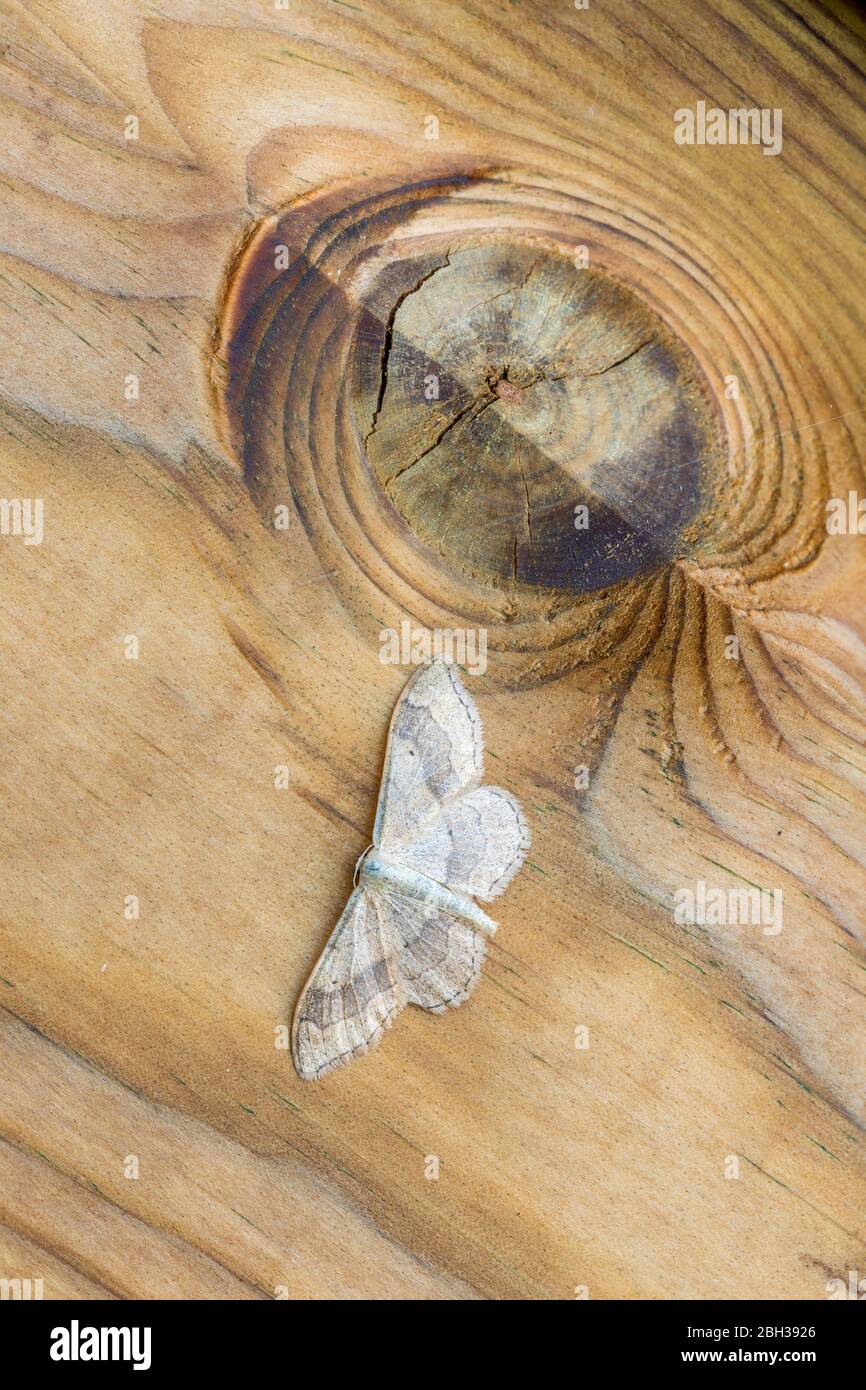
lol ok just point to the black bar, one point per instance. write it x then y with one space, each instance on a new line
235 1338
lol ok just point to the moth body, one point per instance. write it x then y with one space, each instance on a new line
385 871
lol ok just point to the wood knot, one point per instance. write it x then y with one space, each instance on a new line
468 426
534 423
506 390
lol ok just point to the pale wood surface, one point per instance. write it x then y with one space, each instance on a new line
559 1167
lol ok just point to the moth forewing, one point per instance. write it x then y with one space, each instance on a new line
353 993
434 752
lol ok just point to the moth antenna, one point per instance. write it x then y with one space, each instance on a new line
361 858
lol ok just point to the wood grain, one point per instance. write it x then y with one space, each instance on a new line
290 383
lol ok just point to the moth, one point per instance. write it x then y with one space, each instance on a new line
411 932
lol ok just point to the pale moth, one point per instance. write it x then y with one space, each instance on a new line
410 932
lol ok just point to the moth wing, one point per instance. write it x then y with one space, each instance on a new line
475 845
440 955
386 951
434 752
354 992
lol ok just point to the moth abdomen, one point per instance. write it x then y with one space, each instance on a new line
390 875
